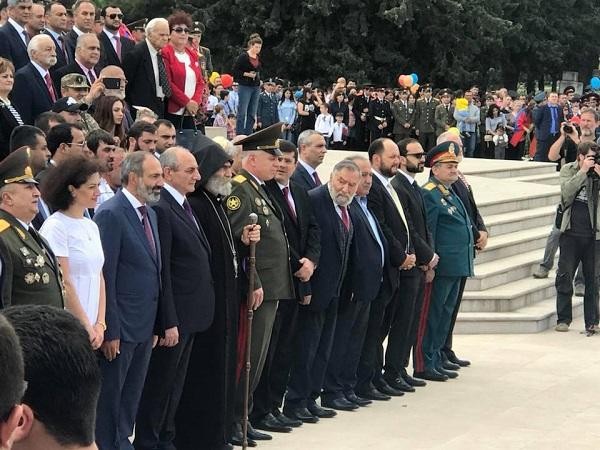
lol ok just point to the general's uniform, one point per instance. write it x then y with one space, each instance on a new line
30 273
452 236
425 122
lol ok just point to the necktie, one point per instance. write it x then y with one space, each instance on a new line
26 37
50 87
316 178
162 75
118 46
554 115
286 193
147 229
91 76
345 218
188 211
399 207
61 42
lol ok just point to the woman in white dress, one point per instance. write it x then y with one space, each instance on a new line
71 190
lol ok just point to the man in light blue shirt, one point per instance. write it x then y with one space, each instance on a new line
466 122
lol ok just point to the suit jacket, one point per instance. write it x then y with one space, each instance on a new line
7 124
465 193
412 201
188 296
71 43
131 271
543 122
61 59
177 73
303 233
327 280
425 115
379 111
64 70
12 46
141 86
108 55
30 95
402 114
443 118
302 178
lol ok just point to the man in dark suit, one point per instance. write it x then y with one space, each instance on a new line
132 268
394 221
312 149
114 46
13 36
425 118
403 322
403 116
304 238
361 285
547 120
87 55
33 92
316 320
187 302
380 115
56 26
84 13
144 69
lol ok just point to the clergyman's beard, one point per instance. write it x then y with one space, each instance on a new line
218 185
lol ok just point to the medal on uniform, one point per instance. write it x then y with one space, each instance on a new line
29 278
37 277
257 201
267 223
233 203
28 261
45 278
444 202
39 261
265 211
263 202
24 251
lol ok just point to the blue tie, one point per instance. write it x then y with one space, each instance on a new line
553 113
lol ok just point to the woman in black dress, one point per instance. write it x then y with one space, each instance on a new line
9 116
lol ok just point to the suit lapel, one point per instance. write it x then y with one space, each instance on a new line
358 211
137 226
179 211
40 81
18 37
149 66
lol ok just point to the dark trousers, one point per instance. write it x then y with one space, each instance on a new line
312 348
427 140
262 325
543 146
155 423
448 344
122 384
402 322
574 249
268 395
350 331
371 358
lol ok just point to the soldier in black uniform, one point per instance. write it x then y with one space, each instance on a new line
29 270
267 114
380 115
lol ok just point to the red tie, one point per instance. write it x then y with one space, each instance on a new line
317 179
118 46
345 217
50 87
148 229
286 193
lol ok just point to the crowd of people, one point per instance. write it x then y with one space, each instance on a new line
115 207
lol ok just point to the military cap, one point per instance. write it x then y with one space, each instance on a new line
568 90
74 80
139 25
445 152
16 168
539 97
68 104
588 96
266 140
446 91
197 28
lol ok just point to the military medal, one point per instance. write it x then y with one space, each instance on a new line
265 211
28 261
444 202
24 251
263 202
257 201
37 277
267 222
233 203
39 261
29 278
45 278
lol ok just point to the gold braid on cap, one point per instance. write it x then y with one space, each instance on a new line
28 173
268 147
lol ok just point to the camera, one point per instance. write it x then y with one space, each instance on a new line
568 128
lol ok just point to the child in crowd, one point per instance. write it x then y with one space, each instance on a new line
500 142
224 102
324 123
231 123
340 132
220 117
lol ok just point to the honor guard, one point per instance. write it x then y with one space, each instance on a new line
29 270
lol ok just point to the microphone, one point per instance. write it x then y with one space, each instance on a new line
252 219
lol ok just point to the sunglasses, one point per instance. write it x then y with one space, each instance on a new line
416 155
115 16
181 30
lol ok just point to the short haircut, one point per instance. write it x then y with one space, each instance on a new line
304 137
288 147
168 158
152 24
24 136
584 147
164 122
6 65
49 6
140 127
588 110
224 93
110 5
11 369
355 158
133 163
61 369
78 3
376 148
403 145
43 120
74 172
60 134
83 37
95 137
345 164
35 42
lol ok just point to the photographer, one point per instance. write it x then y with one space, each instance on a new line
566 144
579 182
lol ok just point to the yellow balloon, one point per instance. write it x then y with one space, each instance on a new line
213 77
462 103
454 130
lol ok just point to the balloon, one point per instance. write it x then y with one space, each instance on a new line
213 78
226 80
414 88
595 83
401 80
462 103
415 78
408 81
454 130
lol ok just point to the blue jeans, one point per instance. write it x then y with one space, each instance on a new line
469 140
247 106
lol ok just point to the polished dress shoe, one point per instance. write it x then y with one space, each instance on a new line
301 414
373 394
270 423
431 375
447 365
257 435
456 360
288 422
341 404
322 413
448 373
237 436
400 385
385 388
414 382
352 397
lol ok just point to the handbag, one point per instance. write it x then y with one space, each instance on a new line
560 212
185 137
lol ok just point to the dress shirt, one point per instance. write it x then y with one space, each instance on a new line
179 198
362 201
394 195
54 34
106 192
134 202
410 179
77 31
19 29
154 59
43 72
308 168
112 37
290 198
86 72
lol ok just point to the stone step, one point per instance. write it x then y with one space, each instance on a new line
509 222
506 270
511 296
514 243
507 169
529 319
552 179
522 201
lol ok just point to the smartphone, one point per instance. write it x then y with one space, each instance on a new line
112 83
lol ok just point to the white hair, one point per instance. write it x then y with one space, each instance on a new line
35 42
152 24
83 37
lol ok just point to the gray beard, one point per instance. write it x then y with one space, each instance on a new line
217 185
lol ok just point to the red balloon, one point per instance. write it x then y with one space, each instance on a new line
226 80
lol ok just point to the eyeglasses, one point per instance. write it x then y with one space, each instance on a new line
114 16
181 30
416 155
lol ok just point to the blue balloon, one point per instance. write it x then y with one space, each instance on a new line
595 83
415 78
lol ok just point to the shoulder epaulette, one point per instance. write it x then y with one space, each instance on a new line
443 189
4 225
240 179
429 186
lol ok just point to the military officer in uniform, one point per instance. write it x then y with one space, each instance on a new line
425 119
29 270
380 115
273 274
403 117
444 113
203 52
267 114
452 237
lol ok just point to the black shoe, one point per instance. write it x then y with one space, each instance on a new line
288 422
400 385
321 413
450 366
257 435
448 373
352 397
430 375
270 423
455 360
385 388
237 436
302 414
374 394
414 382
341 404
